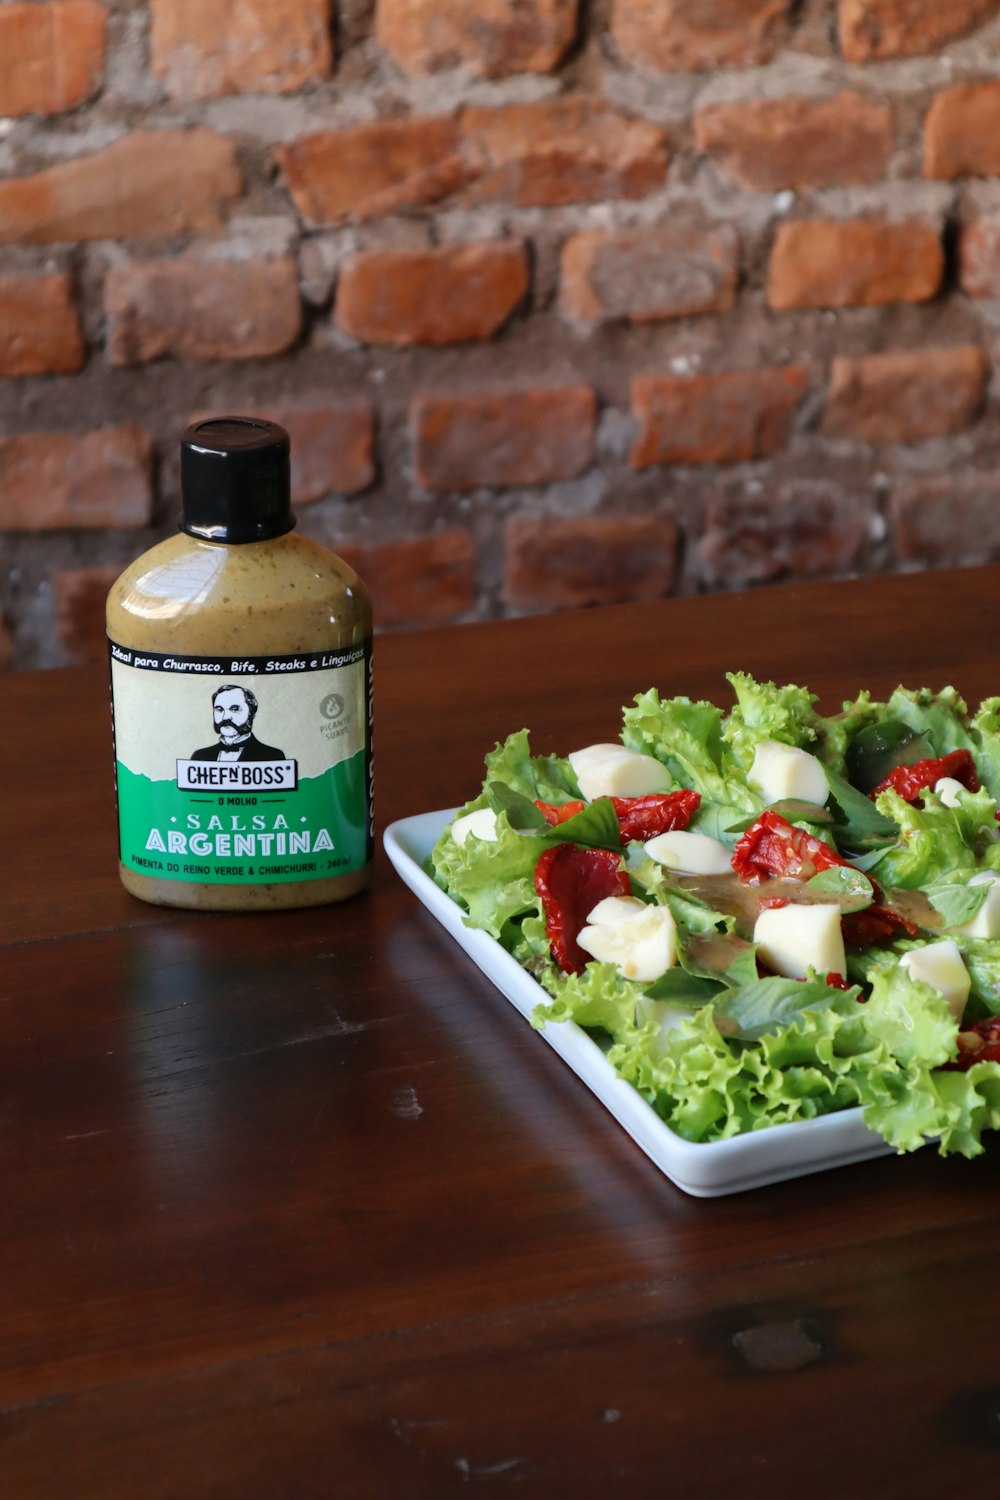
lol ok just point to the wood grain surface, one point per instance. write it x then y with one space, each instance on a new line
296 1205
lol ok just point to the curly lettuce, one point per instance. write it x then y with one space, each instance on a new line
936 842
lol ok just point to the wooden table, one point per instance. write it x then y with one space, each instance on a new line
297 1206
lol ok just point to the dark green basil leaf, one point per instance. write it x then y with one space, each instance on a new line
792 810
596 826
848 887
522 813
880 748
770 1004
859 825
957 904
678 984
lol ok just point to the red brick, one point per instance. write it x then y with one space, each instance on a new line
80 595
642 275
979 258
874 29
796 529
715 419
675 34
493 38
253 46
437 296
420 580
332 445
149 182
962 132
768 144
50 480
39 327
373 169
945 520
573 149
568 562
905 397
566 150
333 448
856 263
194 309
51 56
513 437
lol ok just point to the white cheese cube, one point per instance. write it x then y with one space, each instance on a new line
615 771
482 822
940 965
640 940
792 939
667 1014
693 853
783 772
948 789
986 922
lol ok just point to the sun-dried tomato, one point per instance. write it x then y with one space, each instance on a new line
979 1042
642 818
910 781
639 818
571 880
875 926
774 847
556 812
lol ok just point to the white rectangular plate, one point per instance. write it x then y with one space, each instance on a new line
705 1170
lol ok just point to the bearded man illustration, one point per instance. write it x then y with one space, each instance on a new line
234 709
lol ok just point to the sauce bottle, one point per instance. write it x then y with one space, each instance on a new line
241 694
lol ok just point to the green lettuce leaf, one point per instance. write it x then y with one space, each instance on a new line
697 920
549 778
764 711
820 820
690 912
911 1018
598 999
859 824
768 1005
984 731
686 737
914 1105
981 956
596 826
880 748
494 880
681 984
521 811
844 884
942 718
936 843
957 904
660 1018
708 1088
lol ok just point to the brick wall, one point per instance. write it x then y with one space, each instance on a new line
563 301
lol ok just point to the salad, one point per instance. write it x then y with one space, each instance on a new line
762 915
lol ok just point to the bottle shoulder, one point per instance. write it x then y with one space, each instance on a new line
278 592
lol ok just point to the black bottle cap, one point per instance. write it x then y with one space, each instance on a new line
235 480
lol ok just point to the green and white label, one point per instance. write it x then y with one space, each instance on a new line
235 771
